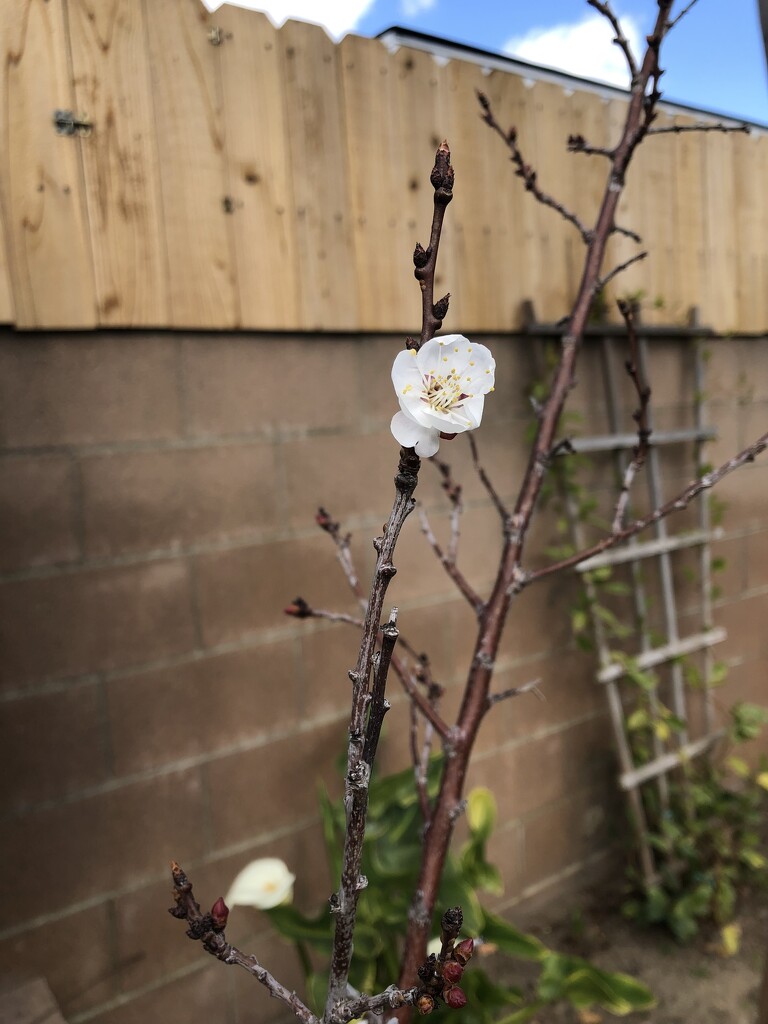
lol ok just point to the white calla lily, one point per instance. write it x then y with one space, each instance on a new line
441 389
263 883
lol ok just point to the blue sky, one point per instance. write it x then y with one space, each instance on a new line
714 57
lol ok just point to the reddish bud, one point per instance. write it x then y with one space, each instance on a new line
454 997
452 971
219 914
298 608
425 1004
463 952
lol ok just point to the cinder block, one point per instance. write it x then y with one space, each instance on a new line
54 745
196 708
260 385
82 622
99 844
72 953
195 998
92 388
37 512
149 500
243 590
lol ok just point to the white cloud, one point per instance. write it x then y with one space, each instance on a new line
338 16
584 48
411 8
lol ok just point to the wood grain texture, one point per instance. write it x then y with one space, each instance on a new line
326 260
40 173
194 175
120 161
258 158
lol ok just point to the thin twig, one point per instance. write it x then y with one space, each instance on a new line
485 480
671 24
453 492
343 552
578 144
603 281
391 999
425 260
621 40
640 415
418 775
627 232
458 577
677 129
516 691
676 504
527 173
205 928
379 705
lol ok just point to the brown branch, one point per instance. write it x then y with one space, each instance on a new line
209 929
578 144
621 40
677 129
343 551
640 415
453 491
458 577
676 504
425 260
603 281
527 173
511 578
671 24
516 691
485 480
627 232
419 776
391 999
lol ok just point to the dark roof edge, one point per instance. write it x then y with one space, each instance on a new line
438 46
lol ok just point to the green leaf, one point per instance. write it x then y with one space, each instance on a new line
291 923
738 766
510 940
481 812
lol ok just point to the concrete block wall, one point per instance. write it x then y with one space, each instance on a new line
157 495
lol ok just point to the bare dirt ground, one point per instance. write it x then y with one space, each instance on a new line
692 984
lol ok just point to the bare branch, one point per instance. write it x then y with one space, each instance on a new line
458 577
209 929
343 552
671 24
453 491
425 260
621 40
676 504
419 775
485 480
578 144
527 173
640 415
391 999
603 281
627 232
516 691
678 129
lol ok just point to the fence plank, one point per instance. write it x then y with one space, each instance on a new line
383 241
194 175
690 243
328 284
255 118
41 181
120 162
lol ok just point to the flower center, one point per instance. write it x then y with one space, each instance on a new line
442 393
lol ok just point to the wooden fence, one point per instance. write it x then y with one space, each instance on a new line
239 176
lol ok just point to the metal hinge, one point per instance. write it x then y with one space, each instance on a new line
66 123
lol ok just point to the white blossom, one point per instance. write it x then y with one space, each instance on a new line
263 883
441 388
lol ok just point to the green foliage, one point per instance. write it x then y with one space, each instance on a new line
391 859
707 839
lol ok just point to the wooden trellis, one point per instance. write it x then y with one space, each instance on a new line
668 755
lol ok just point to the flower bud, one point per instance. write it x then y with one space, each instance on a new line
298 608
425 1004
463 952
219 914
452 971
451 923
420 256
454 997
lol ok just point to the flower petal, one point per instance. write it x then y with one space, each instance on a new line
411 434
263 883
